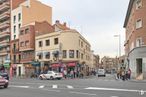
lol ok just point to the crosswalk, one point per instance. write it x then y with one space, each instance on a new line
44 86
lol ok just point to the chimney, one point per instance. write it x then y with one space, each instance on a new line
64 24
57 22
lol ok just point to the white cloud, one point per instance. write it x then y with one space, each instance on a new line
97 20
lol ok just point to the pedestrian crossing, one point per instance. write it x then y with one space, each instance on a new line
44 86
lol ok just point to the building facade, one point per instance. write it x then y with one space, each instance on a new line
135 43
23 13
5 33
63 48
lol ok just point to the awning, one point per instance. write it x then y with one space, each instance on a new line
7 65
34 63
73 64
55 65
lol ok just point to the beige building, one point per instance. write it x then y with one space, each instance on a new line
65 46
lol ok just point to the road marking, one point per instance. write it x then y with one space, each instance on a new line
70 87
114 96
54 86
40 87
111 89
81 93
19 86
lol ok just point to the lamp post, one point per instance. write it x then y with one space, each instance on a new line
119 46
119 36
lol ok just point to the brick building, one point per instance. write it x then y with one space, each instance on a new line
135 43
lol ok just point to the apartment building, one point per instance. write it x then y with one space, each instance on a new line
135 43
24 12
27 44
63 48
5 33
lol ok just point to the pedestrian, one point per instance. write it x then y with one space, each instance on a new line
72 74
129 73
65 74
123 75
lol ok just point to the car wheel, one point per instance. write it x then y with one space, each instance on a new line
59 78
5 86
40 78
51 78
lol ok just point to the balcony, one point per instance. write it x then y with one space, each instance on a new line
3 53
5 15
5 5
4 43
15 50
4 34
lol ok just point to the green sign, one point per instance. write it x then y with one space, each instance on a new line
7 65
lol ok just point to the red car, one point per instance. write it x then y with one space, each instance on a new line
3 82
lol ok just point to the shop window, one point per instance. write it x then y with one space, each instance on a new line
71 53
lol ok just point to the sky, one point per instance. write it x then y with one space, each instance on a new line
97 20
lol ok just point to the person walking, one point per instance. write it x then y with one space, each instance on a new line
129 74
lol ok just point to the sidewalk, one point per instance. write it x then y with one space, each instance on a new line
137 81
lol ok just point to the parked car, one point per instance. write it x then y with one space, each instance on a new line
4 75
101 72
4 82
51 75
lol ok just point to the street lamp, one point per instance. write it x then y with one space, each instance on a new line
119 36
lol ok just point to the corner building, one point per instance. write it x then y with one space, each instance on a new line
135 43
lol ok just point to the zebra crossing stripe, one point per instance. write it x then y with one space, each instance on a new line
40 87
54 86
70 87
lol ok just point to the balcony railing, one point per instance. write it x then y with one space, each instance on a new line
3 53
4 43
5 15
4 34
15 50
5 5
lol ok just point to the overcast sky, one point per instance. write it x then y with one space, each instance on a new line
97 20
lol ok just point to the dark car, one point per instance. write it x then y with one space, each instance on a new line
4 75
3 82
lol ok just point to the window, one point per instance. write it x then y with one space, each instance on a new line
138 23
40 56
26 43
14 29
14 37
26 31
47 56
71 53
64 54
139 42
81 44
82 56
47 42
77 53
14 19
19 26
55 41
40 43
19 16
21 32
21 44
138 4
14 46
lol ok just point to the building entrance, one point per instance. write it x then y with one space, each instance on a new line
139 66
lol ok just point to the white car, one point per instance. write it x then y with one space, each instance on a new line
101 72
51 75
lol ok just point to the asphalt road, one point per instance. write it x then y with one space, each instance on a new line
91 87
